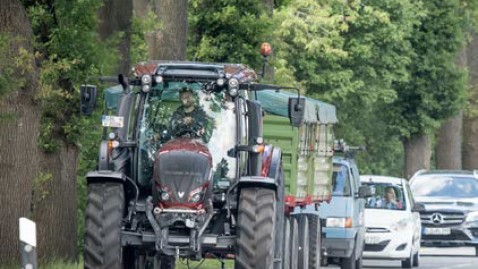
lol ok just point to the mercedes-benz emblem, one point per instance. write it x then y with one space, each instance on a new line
437 218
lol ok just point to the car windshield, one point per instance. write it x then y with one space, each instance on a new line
340 181
185 110
445 186
387 196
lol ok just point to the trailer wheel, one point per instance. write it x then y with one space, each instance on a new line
256 224
303 242
287 244
103 215
294 243
279 240
315 241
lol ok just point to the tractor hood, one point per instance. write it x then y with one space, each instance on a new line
182 168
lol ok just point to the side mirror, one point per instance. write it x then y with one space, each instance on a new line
296 111
418 207
366 191
87 99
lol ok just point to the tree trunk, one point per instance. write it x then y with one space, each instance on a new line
448 146
55 207
115 18
19 155
417 154
448 149
470 121
170 42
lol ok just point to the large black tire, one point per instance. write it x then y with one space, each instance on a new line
349 263
103 215
315 241
294 243
303 242
287 244
256 224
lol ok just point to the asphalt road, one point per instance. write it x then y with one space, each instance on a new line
433 258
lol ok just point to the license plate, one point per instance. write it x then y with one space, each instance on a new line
372 240
437 231
112 121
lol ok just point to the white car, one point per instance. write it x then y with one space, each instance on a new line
392 221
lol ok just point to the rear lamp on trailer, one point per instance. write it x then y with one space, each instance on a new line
165 196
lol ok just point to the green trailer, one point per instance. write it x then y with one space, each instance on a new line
306 150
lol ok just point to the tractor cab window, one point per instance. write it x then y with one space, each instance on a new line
177 110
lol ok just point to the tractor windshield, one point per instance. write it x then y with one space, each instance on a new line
179 109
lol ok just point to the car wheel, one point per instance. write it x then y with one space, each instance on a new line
358 263
476 251
416 259
349 263
407 263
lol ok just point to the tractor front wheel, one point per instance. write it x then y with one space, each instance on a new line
256 224
103 216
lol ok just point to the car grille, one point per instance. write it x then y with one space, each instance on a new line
442 218
376 247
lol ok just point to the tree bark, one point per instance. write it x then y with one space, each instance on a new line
55 207
115 18
448 149
417 154
448 146
470 121
170 42
19 155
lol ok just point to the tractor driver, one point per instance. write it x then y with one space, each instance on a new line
190 119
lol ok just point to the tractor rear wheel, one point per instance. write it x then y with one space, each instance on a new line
103 215
256 224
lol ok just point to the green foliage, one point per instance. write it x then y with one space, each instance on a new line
69 52
15 64
351 54
437 86
141 28
227 31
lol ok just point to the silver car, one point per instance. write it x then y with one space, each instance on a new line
450 217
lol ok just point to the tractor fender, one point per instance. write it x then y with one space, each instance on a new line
258 181
271 160
101 176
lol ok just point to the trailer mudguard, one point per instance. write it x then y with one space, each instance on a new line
105 176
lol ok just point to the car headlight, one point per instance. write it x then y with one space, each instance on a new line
400 225
472 216
339 222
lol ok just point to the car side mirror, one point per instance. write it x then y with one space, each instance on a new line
418 207
296 111
366 191
87 99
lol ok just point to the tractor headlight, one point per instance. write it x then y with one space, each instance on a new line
165 196
233 87
197 195
146 79
472 216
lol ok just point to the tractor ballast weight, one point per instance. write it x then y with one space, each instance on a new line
189 167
